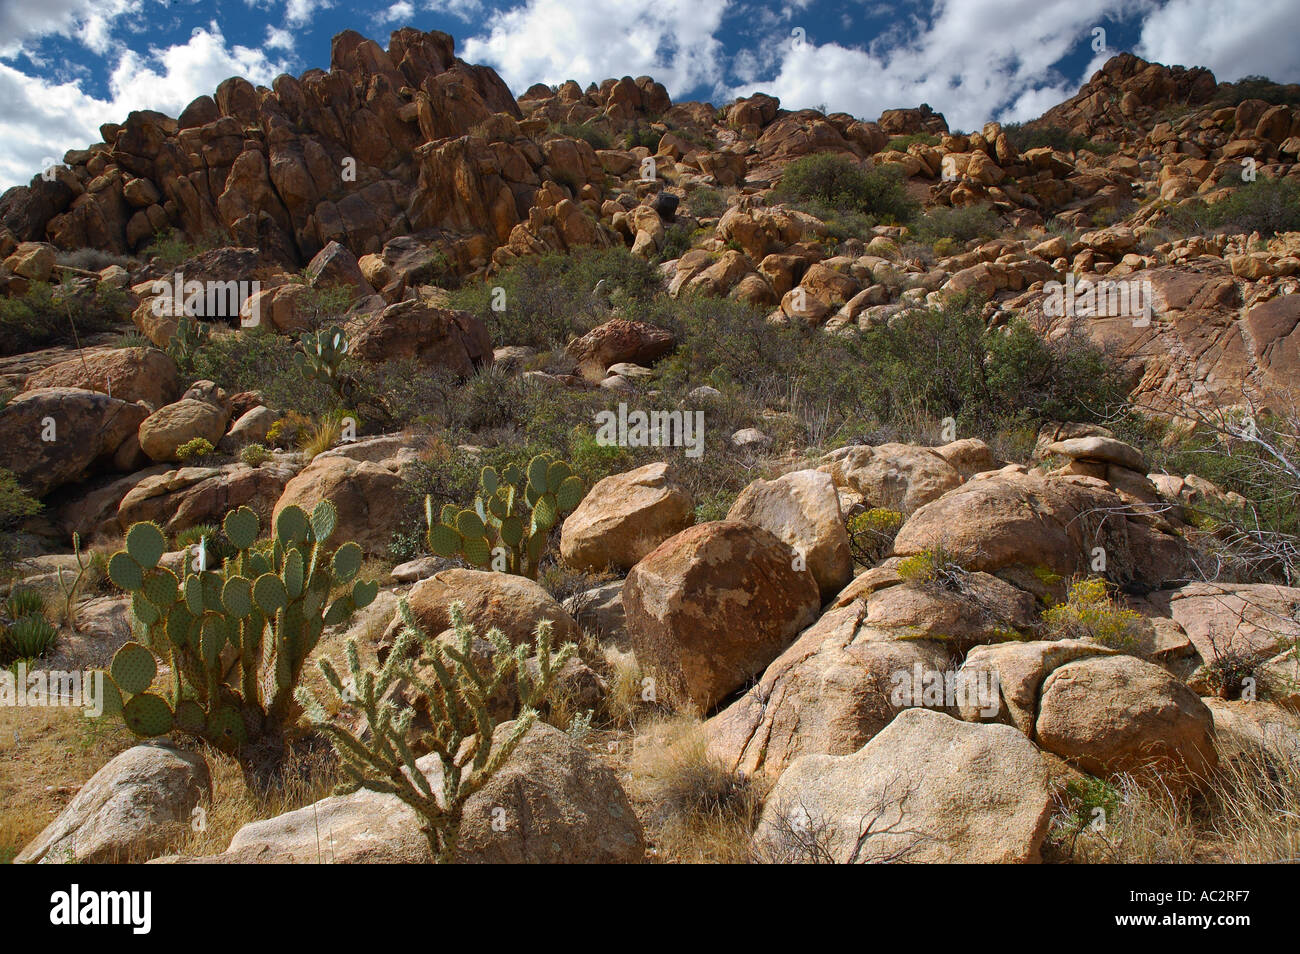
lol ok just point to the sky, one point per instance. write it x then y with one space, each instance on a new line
66 66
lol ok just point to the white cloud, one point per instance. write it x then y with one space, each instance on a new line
973 58
277 39
550 41
90 21
399 13
1234 38
300 12
40 118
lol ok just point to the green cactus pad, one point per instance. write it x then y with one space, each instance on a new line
537 472
499 507
194 595
212 639
270 594
544 511
237 596
512 531
470 524
226 728
190 717
490 480
347 561
146 544
536 543
161 587
133 668
147 715
293 574
443 540
338 611
569 494
556 475
179 621
476 551
291 525
112 698
531 493
364 592
513 475
144 610
448 514
324 519
242 527
125 572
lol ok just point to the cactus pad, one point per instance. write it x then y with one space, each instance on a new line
133 668
241 528
147 715
125 572
146 544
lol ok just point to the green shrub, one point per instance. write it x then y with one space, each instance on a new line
195 449
1090 612
1266 206
596 138
903 143
956 224
1257 87
26 638
705 202
642 136
1024 137
16 505
254 455
58 314
839 182
872 533
169 249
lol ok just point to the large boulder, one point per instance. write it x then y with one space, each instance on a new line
1044 525
899 477
170 427
557 803
129 808
189 496
802 509
1112 714
56 436
829 693
709 608
1019 669
365 494
436 337
617 341
624 517
129 374
928 789
510 603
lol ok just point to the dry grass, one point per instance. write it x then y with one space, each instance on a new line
695 812
46 755
1248 812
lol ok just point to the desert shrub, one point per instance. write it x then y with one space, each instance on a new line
677 242
58 314
169 249
552 298
1090 612
1257 87
25 633
958 225
90 259
254 455
257 359
706 202
1266 206
903 143
871 534
596 138
454 690
933 566
642 136
837 182
16 505
195 449
1024 137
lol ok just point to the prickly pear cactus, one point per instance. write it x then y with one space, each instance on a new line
322 355
234 637
514 511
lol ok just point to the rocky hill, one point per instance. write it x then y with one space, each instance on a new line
873 470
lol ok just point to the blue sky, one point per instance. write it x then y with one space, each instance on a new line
68 65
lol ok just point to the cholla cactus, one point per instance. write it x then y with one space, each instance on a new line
322 356
507 527
235 638
383 760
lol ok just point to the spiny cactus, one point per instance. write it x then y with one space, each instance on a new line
514 511
322 355
234 638
190 335
457 701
